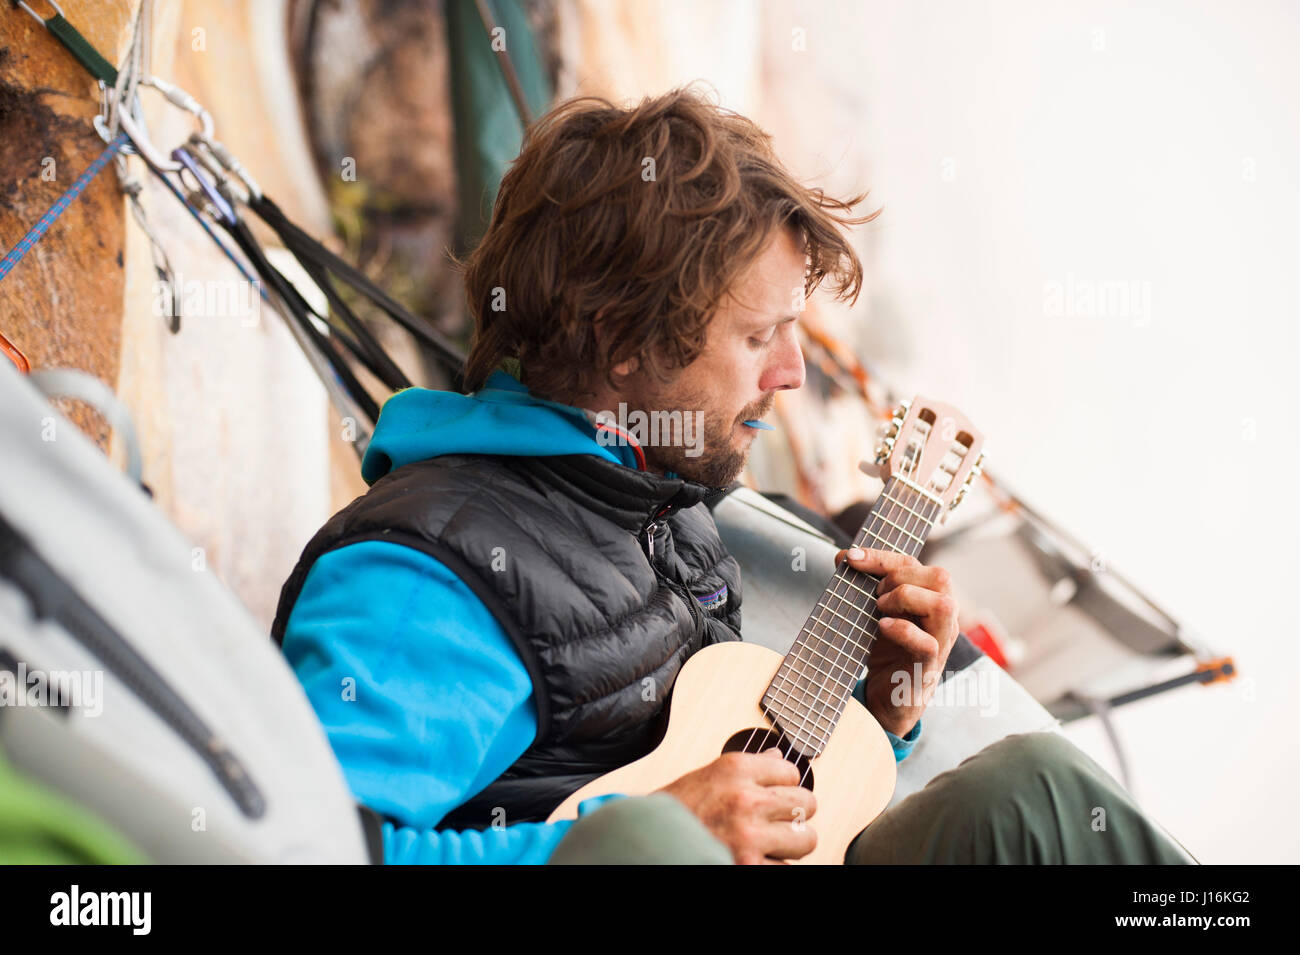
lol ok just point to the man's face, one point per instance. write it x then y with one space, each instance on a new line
750 353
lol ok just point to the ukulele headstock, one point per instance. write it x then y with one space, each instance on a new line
933 446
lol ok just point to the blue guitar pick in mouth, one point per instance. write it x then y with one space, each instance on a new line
761 425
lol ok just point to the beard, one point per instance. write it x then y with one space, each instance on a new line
712 467
718 461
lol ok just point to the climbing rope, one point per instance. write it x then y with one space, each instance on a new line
15 255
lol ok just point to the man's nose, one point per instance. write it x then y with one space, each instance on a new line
785 370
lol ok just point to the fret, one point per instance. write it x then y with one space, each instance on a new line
805 646
823 693
802 736
774 689
825 721
807 744
800 714
866 593
876 542
800 722
813 686
844 636
819 687
881 517
815 689
868 596
792 703
862 627
846 664
859 625
820 734
810 663
924 520
918 489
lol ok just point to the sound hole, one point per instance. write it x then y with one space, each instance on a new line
758 740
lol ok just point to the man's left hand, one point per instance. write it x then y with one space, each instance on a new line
918 626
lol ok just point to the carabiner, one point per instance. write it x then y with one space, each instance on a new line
101 123
226 159
224 210
58 10
133 126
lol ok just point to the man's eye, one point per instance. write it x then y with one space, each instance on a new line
757 343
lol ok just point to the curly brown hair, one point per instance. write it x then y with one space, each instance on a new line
643 218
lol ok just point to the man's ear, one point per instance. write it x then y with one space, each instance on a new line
623 368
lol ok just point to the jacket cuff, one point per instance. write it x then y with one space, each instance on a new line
903 744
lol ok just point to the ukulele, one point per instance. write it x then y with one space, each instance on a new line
744 697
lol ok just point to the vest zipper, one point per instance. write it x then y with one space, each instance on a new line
691 606
695 612
649 531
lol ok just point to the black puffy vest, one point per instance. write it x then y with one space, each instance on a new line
606 580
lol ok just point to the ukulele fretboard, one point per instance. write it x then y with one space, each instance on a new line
815 681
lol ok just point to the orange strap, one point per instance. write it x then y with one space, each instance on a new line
10 351
1222 668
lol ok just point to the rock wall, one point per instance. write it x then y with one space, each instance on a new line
240 447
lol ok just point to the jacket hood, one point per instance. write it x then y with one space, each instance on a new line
501 418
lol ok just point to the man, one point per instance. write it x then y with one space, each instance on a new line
500 619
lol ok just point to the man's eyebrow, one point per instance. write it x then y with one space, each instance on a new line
768 322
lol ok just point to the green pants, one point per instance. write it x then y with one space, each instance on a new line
39 825
1029 798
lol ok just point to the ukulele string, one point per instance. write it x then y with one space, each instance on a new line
865 534
800 675
841 650
905 526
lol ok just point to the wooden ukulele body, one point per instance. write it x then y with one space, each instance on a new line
716 699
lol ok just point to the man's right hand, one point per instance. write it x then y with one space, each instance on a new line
753 804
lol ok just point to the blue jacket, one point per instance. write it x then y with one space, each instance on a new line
423 697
